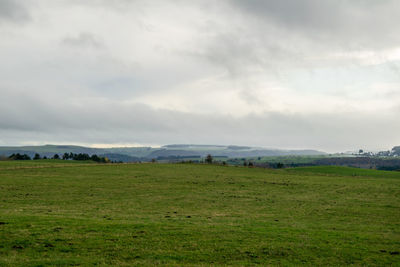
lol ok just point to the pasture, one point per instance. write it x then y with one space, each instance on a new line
61 213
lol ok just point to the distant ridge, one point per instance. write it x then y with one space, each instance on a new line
129 154
189 145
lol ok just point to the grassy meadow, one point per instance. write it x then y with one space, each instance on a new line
61 213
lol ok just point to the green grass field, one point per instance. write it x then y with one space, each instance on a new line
57 213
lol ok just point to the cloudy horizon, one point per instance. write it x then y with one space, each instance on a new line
304 74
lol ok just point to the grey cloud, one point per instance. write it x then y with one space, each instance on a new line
13 11
85 89
274 36
113 122
356 24
84 40
241 53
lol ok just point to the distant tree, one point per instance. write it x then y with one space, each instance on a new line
65 156
396 151
44 157
209 159
19 157
96 158
37 156
279 165
224 163
360 151
81 156
56 156
250 164
245 163
153 160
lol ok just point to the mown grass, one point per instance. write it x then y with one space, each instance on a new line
196 215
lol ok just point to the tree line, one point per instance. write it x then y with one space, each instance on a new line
65 156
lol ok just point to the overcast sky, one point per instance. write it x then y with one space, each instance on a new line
284 74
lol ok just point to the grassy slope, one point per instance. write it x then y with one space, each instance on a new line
344 171
146 214
16 164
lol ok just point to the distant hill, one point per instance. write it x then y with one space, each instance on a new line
173 152
121 157
132 154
